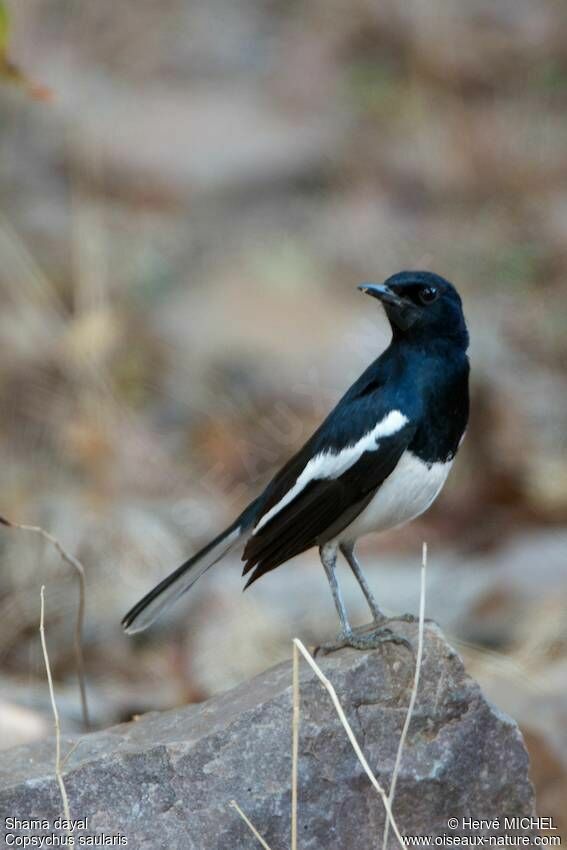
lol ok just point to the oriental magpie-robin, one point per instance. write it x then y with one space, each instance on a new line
378 460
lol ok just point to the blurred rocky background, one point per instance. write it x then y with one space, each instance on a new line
183 223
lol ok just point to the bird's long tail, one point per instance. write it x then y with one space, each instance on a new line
180 580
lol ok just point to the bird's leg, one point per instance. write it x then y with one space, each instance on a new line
348 551
328 555
347 637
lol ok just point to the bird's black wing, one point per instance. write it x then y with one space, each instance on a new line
330 481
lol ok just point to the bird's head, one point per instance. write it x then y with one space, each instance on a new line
421 305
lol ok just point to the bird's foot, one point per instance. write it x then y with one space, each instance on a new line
365 640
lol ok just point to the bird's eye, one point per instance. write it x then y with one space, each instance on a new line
428 295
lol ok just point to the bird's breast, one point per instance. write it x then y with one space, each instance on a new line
410 489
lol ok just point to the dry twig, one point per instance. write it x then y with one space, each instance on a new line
350 734
80 570
413 696
386 800
58 774
295 748
250 825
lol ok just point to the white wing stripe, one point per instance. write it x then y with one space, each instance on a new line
331 464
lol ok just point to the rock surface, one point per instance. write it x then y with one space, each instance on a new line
167 780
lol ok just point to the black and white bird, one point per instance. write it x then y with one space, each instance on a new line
378 460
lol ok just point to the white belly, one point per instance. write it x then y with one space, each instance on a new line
411 488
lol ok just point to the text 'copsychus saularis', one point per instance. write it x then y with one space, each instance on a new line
378 460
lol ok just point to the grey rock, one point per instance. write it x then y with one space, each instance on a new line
167 780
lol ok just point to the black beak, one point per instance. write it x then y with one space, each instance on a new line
401 311
382 292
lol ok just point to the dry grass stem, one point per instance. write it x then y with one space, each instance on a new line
75 746
350 734
25 277
58 774
386 800
89 244
80 570
250 825
413 697
295 748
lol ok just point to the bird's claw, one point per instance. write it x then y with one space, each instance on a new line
368 640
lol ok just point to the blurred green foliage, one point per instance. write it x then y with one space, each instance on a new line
9 72
519 263
4 29
373 86
551 77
